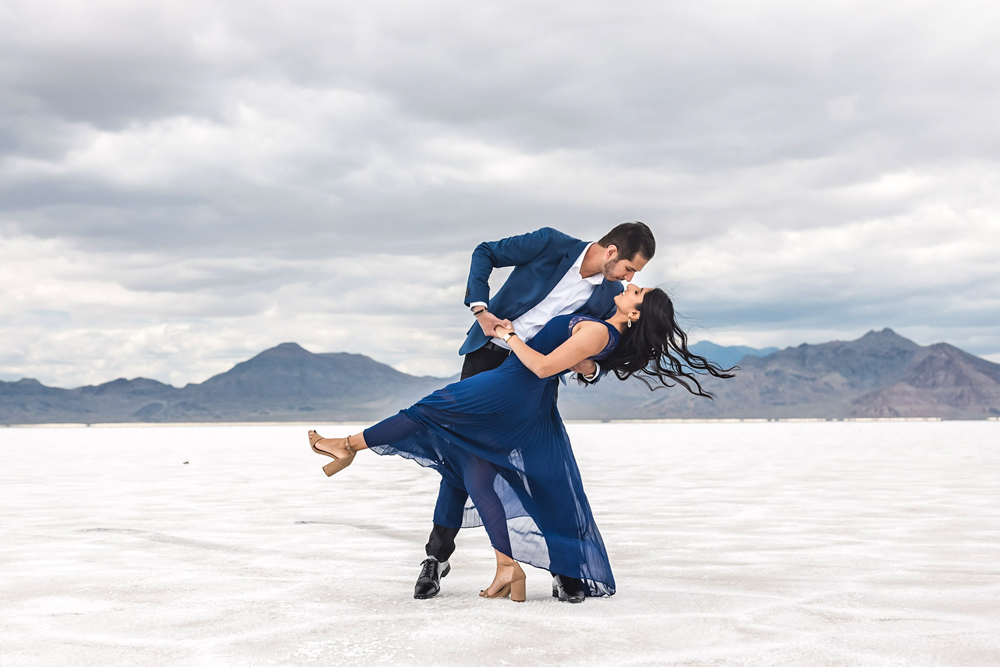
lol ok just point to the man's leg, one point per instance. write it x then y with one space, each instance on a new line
447 520
450 505
484 359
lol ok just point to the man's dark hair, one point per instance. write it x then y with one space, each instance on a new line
631 239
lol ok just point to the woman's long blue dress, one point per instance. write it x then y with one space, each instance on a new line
499 436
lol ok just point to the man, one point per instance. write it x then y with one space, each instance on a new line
554 274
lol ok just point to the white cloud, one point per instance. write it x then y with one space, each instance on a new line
184 185
69 320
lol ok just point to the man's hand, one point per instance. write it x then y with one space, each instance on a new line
488 321
502 329
585 367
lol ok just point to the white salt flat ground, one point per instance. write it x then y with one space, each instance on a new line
732 544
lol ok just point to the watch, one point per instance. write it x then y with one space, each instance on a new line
507 336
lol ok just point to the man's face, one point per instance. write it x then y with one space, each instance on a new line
621 269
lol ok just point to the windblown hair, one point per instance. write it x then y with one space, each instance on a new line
655 350
631 239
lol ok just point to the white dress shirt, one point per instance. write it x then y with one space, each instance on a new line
571 292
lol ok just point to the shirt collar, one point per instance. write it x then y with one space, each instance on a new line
595 279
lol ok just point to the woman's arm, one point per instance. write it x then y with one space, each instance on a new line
588 339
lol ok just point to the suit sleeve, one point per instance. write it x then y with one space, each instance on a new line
511 251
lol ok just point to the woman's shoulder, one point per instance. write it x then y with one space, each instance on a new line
578 319
578 323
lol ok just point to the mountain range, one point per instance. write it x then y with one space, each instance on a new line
284 383
727 356
881 374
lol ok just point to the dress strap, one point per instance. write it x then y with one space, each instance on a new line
613 335
576 319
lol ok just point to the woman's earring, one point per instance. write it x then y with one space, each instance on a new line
630 323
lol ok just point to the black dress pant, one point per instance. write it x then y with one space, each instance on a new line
441 543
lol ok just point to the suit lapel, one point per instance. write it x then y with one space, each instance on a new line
544 290
601 301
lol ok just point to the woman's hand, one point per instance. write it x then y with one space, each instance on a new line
585 367
502 329
487 321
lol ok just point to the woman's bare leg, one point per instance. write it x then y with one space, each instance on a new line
508 571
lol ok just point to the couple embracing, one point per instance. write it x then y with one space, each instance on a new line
496 436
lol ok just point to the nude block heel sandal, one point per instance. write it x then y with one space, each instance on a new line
336 465
517 591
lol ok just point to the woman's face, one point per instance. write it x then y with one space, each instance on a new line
630 298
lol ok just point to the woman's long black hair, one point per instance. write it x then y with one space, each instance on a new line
655 350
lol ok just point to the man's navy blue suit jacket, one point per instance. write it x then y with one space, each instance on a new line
540 259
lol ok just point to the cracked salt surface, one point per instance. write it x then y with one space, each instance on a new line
747 544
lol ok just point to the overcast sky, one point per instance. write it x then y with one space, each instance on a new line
185 184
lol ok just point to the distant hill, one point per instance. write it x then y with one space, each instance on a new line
284 383
730 356
881 374
942 379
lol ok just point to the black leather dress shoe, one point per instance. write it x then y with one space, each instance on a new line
429 581
567 589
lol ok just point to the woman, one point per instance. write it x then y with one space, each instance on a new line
498 435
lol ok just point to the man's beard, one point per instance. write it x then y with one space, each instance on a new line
609 269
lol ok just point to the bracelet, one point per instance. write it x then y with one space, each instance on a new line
506 337
477 313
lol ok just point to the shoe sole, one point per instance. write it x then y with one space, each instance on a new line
428 597
555 594
425 597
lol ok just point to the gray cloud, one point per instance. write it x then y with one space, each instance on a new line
187 184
